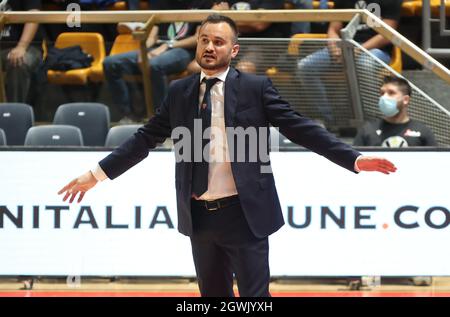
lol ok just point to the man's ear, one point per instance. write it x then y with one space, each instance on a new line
235 50
405 100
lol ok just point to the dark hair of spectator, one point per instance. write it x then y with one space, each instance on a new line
401 83
217 18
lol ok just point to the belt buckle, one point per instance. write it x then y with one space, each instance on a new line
212 208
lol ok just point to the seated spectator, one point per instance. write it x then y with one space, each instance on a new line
252 53
396 128
310 67
21 51
171 47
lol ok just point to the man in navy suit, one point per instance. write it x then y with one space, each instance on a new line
227 205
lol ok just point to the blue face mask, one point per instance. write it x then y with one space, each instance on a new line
388 106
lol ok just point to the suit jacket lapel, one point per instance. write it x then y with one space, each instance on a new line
231 92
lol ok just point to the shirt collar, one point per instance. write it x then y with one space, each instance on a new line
222 76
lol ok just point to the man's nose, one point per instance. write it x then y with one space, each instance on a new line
210 46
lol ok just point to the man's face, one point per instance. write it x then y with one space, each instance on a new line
215 47
393 91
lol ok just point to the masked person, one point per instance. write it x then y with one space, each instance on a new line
396 128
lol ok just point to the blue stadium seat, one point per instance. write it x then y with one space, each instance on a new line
92 118
54 135
15 120
119 134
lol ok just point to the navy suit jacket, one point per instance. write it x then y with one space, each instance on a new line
250 101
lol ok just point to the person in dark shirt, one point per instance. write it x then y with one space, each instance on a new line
20 50
310 67
396 128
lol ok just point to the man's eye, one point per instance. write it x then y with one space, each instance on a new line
218 43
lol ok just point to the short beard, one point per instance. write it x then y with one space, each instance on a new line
212 67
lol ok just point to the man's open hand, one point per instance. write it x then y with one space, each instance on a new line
375 164
79 185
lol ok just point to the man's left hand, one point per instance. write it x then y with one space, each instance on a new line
375 164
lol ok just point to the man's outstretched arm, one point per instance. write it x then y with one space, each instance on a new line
306 132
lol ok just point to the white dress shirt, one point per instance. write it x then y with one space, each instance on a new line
220 178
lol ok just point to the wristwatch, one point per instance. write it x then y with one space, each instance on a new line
170 43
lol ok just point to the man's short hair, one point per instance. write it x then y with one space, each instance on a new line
401 83
217 18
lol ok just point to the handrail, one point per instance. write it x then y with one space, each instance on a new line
407 46
382 28
163 16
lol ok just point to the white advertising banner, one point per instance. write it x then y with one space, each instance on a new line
337 223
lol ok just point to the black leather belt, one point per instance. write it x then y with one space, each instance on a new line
212 205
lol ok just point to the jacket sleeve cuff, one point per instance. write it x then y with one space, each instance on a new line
98 173
356 164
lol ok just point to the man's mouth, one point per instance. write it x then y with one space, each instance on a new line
208 56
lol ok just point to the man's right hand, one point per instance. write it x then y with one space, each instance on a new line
79 185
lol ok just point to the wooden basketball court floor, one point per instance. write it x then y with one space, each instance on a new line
299 287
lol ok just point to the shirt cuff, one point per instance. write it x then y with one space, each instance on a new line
356 167
98 173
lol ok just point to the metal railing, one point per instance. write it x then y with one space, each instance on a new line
426 28
325 91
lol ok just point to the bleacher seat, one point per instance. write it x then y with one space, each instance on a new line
123 43
316 4
409 8
2 137
119 134
54 135
118 6
396 60
93 119
91 43
15 120
122 5
294 45
435 7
